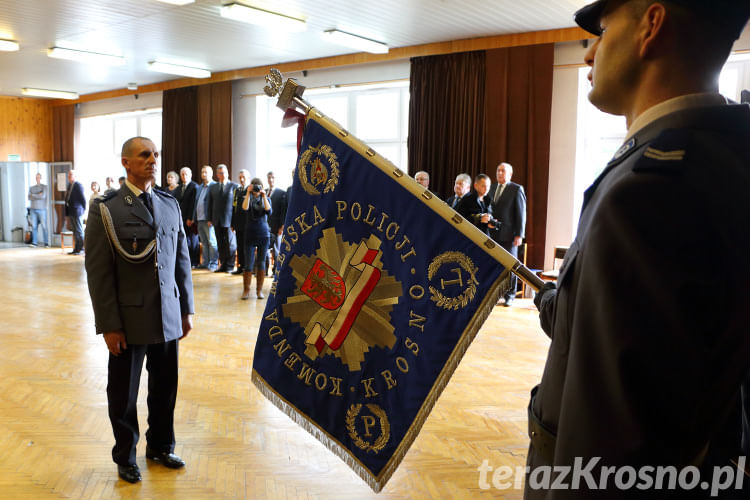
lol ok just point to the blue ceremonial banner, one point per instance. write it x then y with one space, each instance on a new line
380 290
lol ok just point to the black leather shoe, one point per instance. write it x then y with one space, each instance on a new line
508 301
220 270
238 271
130 473
166 459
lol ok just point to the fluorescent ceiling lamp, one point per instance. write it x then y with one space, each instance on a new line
85 56
8 45
265 18
177 2
55 94
356 42
176 69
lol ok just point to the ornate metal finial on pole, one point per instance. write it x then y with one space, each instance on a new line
290 93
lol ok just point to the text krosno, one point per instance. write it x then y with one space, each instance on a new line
580 476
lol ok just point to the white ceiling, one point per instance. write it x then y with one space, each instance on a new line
196 35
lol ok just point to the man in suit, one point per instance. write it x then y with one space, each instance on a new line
648 323
75 205
220 198
138 272
186 197
423 178
110 182
202 217
474 208
461 188
239 218
279 205
509 207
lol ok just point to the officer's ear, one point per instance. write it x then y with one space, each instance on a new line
651 28
124 162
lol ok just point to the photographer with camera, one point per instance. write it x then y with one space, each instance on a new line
474 208
257 209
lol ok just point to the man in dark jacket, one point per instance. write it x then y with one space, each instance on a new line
75 205
474 207
221 196
186 193
508 201
279 205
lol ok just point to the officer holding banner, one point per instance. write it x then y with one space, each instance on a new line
648 325
138 271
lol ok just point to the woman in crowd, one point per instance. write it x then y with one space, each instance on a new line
95 192
172 180
257 208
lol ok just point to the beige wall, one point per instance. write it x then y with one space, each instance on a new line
561 219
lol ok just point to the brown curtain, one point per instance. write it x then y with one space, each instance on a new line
519 107
179 131
197 128
447 117
63 123
470 111
215 125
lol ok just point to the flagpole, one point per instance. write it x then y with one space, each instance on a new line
290 96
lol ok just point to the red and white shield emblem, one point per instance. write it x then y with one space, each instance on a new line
324 286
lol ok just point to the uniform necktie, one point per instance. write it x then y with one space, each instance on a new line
146 199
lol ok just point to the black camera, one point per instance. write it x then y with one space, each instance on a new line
256 188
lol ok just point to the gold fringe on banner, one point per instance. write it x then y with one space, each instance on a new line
498 289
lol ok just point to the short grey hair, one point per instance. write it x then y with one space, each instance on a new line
463 178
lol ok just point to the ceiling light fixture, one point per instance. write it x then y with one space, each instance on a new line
176 69
85 56
8 45
356 42
262 17
55 94
177 2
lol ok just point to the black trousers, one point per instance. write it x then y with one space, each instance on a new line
193 245
275 246
124 376
240 234
75 225
508 245
223 241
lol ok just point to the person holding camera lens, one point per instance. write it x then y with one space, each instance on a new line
473 207
257 209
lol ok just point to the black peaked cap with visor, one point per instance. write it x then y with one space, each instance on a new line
731 15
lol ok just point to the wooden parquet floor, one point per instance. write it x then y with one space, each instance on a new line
55 437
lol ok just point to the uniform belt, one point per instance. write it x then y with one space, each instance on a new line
542 439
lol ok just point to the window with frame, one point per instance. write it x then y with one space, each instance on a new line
377 114
100 143
599 134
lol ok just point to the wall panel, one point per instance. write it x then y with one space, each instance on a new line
26 128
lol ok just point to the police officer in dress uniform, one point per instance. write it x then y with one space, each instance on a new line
648 323
141 290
